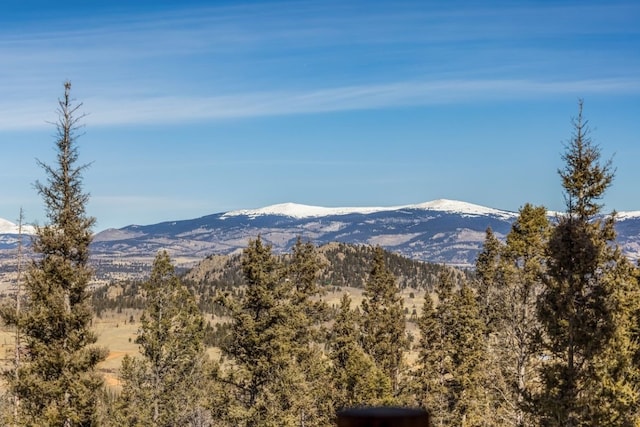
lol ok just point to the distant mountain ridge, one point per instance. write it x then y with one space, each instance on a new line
304 211
8 227
441 231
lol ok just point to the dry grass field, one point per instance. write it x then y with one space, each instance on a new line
117 331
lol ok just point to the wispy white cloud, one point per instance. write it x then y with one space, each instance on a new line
255 60
347 98
281 26
108 111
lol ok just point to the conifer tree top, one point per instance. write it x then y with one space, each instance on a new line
584 178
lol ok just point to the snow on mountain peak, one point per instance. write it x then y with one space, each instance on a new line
621 216
295 210
456 206
299 211
8 227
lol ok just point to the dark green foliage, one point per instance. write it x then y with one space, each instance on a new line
490 281
303 270
357 381
584 178
350 266
383 322
271 356
346 266
218 335
315 404
130 296
513 346
343 266
434 368
583 310
56 382
450 375
508 285
216 272
469 360
164 387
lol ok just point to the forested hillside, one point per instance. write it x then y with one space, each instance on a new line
342 266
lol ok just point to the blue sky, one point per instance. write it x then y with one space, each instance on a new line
196 108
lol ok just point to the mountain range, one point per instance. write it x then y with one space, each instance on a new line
440 231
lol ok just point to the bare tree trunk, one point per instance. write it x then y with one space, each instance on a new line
16 360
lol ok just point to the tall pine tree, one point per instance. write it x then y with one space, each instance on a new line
434 367
510 282
265 377
356 378
469 363
165 386
490 282
314 398
449 379
383 322
56 382
524 266
587 376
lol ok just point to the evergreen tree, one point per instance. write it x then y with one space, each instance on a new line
468 361
450 373
302 275
265 377
584 310
57 382
523 267
491 290
383 322
357 381
164 387
434 369
314 400
490 281
509 284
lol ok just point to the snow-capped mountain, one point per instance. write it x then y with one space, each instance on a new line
8 227
295 210
441 231
10 234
